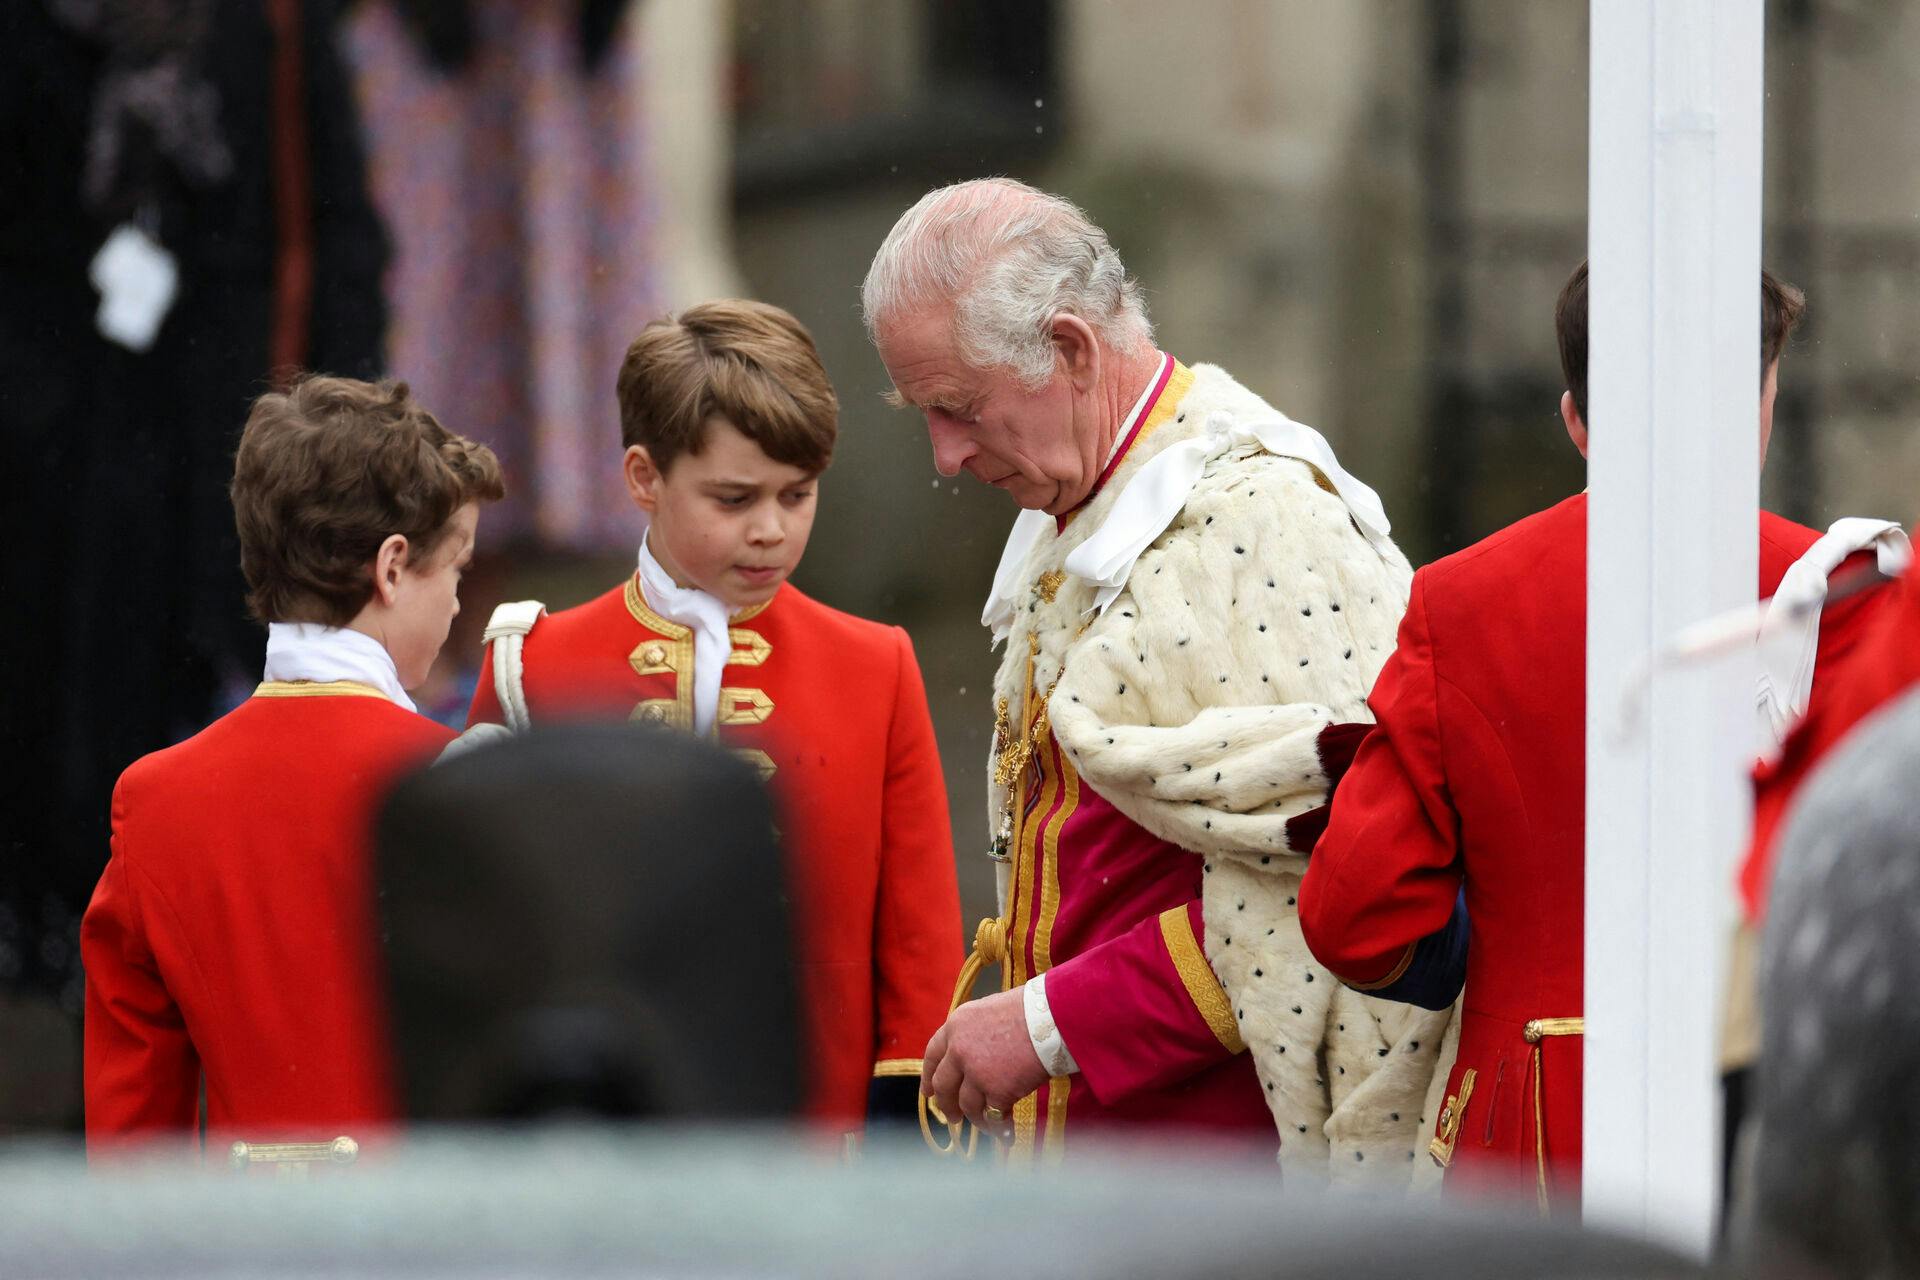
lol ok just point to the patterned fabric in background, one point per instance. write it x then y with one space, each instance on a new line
515 191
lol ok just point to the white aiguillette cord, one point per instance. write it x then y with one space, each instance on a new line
1723 634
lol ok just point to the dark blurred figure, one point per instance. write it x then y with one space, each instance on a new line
589 920
225 129
1837 1187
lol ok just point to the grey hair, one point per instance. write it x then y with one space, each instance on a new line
1008 258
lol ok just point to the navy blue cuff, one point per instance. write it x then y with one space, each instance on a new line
1438 969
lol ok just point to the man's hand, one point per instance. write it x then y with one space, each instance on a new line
983 1058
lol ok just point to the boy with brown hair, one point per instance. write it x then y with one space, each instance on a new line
728 420
231 937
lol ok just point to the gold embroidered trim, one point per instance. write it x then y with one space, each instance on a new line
750 648
1455 1110
744 706
676 644
1203 986
1536 1030
1059 1088
1399 971
646 617
887 1067
317 689
658 657
1049 583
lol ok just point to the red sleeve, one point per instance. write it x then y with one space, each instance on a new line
486 701
142 1074
1144 1010
916 928
1386 873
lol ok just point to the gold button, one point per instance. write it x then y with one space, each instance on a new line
654 655
655 714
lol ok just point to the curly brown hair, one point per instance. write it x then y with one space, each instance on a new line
328 470
748 362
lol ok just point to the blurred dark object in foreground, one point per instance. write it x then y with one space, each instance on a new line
588 921
700 1203
239 150
1837 1186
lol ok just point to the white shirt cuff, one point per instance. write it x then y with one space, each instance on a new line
1047 1042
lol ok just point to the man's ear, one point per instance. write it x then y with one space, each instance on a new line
643 478
1079 350
1576 427
388 561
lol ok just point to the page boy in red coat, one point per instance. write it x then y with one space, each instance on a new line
728 420
231 938
1468 804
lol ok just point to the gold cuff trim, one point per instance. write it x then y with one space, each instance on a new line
317 689
897 1067
1399 971
1203 985
1455 1110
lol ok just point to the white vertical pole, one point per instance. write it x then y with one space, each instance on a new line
1673 376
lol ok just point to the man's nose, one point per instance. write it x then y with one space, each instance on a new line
951 446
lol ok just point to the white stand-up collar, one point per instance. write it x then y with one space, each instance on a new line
311 651
707 616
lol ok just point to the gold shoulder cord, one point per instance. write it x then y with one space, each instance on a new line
993 937
990 939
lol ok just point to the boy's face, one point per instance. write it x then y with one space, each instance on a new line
728 519
426 597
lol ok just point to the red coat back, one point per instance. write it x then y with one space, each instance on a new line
233 934
1477 773
831 708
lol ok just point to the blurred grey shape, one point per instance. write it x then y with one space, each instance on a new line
693 1203
585 921
1837 1184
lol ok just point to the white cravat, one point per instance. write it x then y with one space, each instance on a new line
1790 628
311 651
707 616
1030 526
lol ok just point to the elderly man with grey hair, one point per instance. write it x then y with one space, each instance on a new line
1195 601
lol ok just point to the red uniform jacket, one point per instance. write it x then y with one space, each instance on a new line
832 710
1880 665
232 933
1476 772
